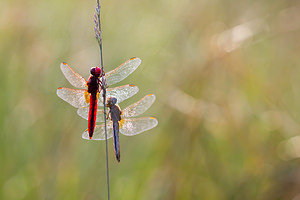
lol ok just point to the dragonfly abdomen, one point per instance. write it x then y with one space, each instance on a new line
116 139
92 114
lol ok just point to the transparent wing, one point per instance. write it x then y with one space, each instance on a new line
84 113
74 78
139 107
122 71
99 133
74 97
121 93
136 126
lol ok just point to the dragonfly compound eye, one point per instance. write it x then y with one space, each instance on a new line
114 100
96 71
111 100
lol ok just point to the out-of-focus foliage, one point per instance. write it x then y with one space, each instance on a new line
227 79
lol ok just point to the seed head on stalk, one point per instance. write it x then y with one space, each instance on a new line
97 27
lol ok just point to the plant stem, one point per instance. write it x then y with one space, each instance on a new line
99 38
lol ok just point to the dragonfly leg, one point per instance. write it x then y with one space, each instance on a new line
107 116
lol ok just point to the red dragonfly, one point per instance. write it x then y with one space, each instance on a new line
90 92
121 120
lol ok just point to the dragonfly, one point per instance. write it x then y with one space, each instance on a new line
90 91
122 121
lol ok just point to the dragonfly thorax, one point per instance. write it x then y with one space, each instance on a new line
93 84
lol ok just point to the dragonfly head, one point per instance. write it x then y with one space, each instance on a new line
96 71
111 101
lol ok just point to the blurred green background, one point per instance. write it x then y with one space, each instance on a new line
227 79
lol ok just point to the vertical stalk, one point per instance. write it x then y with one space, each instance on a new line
98 33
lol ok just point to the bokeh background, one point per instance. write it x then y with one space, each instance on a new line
227 79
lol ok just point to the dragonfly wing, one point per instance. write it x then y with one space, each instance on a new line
84 113
136 126
74 97
139 107
122 71
74 78
99 132
121 93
